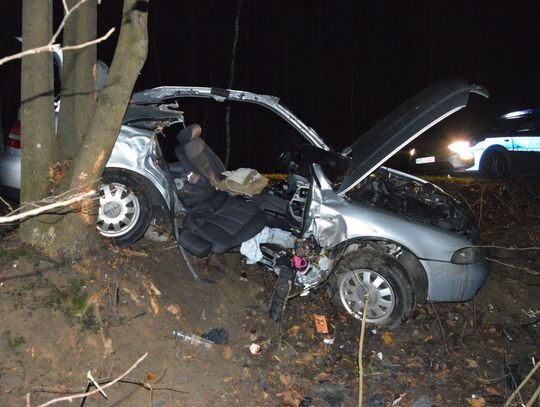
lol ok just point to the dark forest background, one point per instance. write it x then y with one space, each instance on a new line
340 66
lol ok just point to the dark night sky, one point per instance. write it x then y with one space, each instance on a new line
339 65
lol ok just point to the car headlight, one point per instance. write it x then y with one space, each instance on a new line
459 146
467 255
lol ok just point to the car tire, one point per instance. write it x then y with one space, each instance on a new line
495 164
391 294
125 209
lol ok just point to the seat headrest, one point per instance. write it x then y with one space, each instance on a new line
189 133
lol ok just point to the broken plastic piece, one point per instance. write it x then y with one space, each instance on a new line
254 349
250 248
320 324
193 339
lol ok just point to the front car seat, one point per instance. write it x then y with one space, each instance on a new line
219 222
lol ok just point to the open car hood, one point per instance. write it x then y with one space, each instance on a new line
404 124
164 93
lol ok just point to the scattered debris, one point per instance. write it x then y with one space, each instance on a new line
254 349
218 336
193 339
320 324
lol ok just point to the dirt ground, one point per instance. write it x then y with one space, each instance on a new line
60 322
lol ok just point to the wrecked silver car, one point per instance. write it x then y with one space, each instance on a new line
379 239
376 235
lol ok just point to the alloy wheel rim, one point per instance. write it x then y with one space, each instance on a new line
356 284
119 210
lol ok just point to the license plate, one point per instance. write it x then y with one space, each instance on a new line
425 160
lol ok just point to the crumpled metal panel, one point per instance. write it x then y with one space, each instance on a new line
333 219
133 151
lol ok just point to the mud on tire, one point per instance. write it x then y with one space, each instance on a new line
391 294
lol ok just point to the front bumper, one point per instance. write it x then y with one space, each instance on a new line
449 282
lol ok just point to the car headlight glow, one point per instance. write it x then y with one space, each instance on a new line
467 255
466 156
459 146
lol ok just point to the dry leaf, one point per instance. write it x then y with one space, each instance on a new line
471 363
428 338
388 338
492 391
173 309
154 305
227 352
132 295
284 379
128 252
480 402
150 287
151 377
293 330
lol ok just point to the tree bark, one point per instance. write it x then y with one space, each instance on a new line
76 233
78 80
231 80
37 108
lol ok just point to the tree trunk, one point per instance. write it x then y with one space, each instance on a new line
231 80
37 107
78 80
76 233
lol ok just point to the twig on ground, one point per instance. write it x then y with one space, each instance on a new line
517 215
513 266
441 328
533 397
513 395
361 351
475 326
89 393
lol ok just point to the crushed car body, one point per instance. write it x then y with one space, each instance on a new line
379 239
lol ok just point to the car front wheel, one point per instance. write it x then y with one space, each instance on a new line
495 164
368 271
125 208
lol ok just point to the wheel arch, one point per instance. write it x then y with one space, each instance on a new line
403 255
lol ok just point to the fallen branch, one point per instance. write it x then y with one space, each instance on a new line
46 208
90 393
361 351
513 395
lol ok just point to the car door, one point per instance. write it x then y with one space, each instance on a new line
526 137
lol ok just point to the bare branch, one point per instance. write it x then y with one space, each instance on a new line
67 13
6 203
46 208
513 266
89 393
86 44
18 55
52 46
